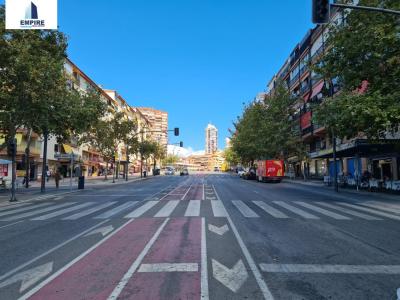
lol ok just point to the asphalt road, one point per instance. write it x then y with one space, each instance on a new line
204 236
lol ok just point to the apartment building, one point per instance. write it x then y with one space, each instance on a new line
159 124
355 154
211 145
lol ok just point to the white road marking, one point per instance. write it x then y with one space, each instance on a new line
296 210
183 197
122 283
218 230
61 212
29 277
372 211
141 210
193 208
17 210
218 208
167 209
204 197
204 271
168 267
349 211
232 278
8 225
102 230
270 210
392 210
88 211
38 211
331 269
12 206
72 262
244 209
254 269
116 210
323 211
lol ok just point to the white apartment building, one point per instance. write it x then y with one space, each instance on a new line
211 139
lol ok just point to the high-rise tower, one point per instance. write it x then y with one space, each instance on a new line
211 139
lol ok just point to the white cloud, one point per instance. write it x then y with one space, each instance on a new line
182 151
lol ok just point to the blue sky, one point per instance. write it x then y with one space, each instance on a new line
198 60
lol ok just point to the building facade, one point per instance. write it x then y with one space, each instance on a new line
211 145
159 124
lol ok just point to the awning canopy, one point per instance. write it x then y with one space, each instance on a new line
5 162
317 89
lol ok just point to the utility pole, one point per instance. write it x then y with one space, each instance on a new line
12 151
72 170
335 173
43 180
141 156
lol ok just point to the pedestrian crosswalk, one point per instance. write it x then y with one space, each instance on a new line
257 209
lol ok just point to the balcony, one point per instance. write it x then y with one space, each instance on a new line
305 89
294 80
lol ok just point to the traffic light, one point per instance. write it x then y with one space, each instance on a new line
320 11
181 144
176 131
11 148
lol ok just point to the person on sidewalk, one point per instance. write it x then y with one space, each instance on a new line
57 178
48 174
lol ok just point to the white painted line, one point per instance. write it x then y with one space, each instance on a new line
38 211
323 211
270 210
12 206
75 260
218 230
349 211
141 210
204 197
167 209
122 283
193 208
204 267
51 250
89 211
254 269
168 267
331 269
244 209
61 212
8 225
392 210
183 197
218 208
296 210
233 278
17 210
372 211
116 210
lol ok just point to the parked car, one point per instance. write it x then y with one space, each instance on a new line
169 171
184 172
241 171
216 169
250 174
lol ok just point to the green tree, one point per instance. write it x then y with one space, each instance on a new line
231 157
170 159
364 50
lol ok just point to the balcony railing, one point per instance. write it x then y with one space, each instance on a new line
294 80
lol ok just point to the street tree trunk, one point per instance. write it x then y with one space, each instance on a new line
43 181
105 175
27 158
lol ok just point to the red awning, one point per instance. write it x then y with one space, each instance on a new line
305 120
317 89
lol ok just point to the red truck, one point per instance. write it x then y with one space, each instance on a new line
270 170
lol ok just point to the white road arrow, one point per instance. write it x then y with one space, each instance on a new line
103 230
218 230
233 278
29 277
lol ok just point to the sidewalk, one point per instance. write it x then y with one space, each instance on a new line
33 192
342 190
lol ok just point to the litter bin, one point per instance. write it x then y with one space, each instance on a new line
81 183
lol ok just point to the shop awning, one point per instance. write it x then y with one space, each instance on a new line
5 162
305 120
67 148
317 89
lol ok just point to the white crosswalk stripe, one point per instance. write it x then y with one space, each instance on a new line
167 209
38 211
388 209
142 209
193 208
296 210
350 212
89 211
323 211
17 210
7 207
218 208
61 212
270 210
116 210
370 210
244 209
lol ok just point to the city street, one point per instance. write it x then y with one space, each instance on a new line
203 236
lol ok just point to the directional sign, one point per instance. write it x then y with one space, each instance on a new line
29 277
103 230
218 230
233 278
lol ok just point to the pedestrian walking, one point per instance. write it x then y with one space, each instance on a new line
57 178
48 174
